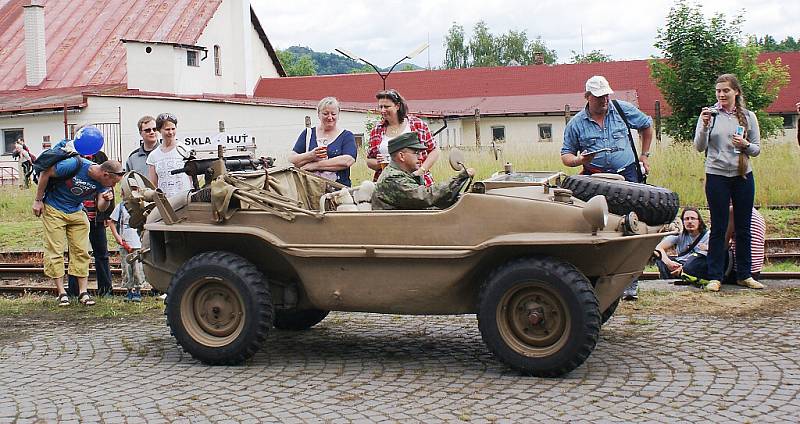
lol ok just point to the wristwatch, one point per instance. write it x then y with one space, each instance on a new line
646 154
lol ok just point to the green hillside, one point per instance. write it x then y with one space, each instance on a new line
331 63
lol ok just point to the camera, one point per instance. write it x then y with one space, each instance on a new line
713 111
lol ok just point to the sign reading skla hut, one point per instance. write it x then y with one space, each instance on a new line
198 141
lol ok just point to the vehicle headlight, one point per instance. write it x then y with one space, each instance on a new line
596 213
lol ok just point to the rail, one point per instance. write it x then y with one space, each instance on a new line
8 175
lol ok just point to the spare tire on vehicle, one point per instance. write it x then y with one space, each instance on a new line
653 205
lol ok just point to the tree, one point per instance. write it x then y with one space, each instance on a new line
485 49
364 69
294 66
696 52
482 47
513 47
768 44
538 45
456 53
593 56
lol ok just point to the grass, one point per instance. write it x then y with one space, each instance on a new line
678 167
745 303
45 306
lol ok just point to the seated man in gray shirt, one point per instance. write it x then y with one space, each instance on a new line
691 246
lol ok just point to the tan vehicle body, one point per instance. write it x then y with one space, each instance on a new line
408 262
400 262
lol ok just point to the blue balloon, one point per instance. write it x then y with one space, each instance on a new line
88 140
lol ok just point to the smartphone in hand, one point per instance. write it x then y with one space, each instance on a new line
740 132
594 152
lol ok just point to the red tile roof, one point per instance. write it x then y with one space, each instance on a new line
790 94
83 37
507 105
501 82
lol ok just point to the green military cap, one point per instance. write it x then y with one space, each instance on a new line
410 140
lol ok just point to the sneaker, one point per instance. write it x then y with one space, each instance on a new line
713 285
632 291
691 279
162 296
135 296
749 282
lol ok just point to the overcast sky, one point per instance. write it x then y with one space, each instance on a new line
384 31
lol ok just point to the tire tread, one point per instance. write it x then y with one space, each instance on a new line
254 278
586 298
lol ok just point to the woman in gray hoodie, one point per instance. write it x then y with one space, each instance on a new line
729 135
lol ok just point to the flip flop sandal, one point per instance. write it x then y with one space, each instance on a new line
85 299
63 299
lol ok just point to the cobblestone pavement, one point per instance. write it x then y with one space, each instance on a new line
373 368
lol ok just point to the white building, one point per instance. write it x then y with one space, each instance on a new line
64 64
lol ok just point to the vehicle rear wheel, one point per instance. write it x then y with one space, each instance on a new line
219 308
609 312
298 319
539 315
653 205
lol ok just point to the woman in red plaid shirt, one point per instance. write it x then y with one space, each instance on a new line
396 121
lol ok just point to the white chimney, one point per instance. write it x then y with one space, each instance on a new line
35 55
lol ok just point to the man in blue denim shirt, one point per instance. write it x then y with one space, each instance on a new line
600 126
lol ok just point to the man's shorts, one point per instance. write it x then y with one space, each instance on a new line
72 228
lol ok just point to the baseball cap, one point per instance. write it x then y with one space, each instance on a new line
406 140
598 86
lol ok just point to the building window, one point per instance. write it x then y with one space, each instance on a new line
499 134
10 136
191 58
217 62
545 132
788 121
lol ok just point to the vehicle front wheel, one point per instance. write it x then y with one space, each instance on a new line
219 308
298 319
539 315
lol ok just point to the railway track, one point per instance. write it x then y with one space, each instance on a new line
17 268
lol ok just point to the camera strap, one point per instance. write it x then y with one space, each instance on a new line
642 177
708 136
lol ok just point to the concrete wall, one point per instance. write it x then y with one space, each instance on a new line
520 130
275 129
36 127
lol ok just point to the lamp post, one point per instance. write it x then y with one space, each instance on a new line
383 76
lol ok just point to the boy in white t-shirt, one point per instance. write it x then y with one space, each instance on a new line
129 242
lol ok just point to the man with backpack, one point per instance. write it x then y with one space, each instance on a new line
62 188
97 239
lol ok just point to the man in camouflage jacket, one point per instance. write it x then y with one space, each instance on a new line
399 188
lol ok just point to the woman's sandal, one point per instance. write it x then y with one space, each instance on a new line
63 299
85 299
